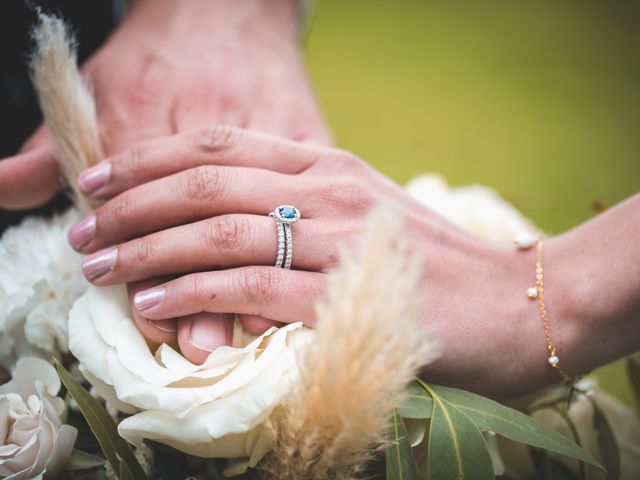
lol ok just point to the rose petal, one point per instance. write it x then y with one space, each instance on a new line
28 370
62 450
210 410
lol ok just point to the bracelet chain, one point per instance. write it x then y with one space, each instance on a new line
553 359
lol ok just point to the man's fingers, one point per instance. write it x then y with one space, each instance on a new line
257 325
197 335
202 333
31 177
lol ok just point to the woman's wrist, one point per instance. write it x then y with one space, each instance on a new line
594 279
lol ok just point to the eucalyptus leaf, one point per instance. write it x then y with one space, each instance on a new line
606 442
512 424
114 447
417 402
82 461
457 449
399 456
124 472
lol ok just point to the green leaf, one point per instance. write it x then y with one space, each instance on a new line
82 461
417 402
399 456
606 442
124 472
633 370
114 447
457 449
512 424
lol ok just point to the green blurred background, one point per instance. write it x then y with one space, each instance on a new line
539 100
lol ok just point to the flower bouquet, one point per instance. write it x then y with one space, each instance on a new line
87 396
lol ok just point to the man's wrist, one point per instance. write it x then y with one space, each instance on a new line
265 18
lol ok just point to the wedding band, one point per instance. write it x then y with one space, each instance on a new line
284 216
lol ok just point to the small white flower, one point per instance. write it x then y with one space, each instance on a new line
40 278
34 439
211 410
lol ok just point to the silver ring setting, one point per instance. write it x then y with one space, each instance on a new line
284 216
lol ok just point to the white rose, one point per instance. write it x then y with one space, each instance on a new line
211 410
478 209
40 278
35 440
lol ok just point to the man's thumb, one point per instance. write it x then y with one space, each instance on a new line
29 178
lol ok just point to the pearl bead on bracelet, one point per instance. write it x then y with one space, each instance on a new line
525 241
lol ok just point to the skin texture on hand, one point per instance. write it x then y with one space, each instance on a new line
192 211
172 67
197 218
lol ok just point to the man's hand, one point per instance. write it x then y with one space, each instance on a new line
174 66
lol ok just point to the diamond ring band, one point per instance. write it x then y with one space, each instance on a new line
284 216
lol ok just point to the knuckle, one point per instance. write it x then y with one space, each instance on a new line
119 211
137 96
200 184
347 193
345 160
347 233
331 259
133 161
144 250
348 159
217 138
142 92
227 233
260 285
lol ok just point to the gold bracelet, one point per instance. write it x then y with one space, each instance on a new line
525 241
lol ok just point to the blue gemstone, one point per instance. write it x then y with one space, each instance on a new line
288 212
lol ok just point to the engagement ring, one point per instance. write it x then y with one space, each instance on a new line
284 216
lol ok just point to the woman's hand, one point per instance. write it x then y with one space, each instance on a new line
232 178
192 208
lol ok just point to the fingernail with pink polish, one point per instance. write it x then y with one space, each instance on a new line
100 263
94 178
145 299
82 232
166 326
210 332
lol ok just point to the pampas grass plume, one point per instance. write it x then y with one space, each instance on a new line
66 101
368 346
